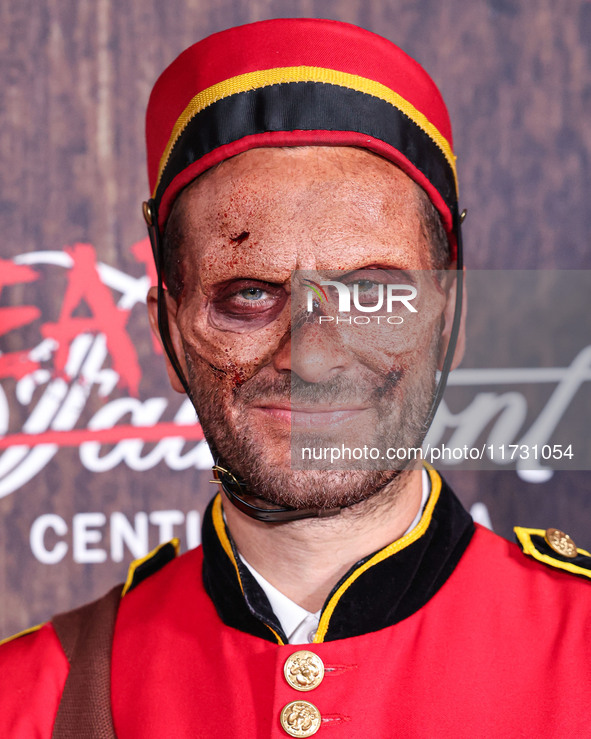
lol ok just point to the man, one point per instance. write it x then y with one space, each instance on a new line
289 159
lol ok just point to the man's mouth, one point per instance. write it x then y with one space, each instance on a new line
314 415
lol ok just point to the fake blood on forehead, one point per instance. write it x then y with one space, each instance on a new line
240 238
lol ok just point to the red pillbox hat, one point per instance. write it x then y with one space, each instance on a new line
297 82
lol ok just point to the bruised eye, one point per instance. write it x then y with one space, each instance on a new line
246 305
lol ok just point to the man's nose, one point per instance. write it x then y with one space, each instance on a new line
314 351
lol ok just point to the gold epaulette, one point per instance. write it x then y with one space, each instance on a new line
142 568
554 548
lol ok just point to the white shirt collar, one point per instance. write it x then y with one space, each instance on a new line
293 618
298 624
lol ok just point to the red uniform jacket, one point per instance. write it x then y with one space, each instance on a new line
449 632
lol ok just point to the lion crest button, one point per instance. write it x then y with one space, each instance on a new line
304 670
300 718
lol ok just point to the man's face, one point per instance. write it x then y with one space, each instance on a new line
246 227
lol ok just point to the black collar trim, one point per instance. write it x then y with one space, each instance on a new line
378 591
239 599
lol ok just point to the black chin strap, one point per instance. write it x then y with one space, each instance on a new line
235 489
237 494
455 328
150 212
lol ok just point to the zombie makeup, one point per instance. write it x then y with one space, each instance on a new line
250 351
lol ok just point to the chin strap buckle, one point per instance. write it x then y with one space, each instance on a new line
235 491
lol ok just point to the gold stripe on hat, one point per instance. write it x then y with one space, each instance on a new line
281 75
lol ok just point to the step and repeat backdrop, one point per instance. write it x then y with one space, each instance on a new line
99 460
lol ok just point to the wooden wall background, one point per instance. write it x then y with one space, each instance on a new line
76 76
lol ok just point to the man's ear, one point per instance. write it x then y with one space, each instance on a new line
175 336
448 317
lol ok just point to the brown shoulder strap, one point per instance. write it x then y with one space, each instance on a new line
86 636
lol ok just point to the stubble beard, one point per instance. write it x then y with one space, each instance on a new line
246 454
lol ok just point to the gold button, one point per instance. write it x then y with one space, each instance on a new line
300 718
304 670
561 543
